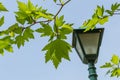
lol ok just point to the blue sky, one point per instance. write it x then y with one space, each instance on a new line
27 63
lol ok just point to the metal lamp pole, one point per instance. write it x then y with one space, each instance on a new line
92 71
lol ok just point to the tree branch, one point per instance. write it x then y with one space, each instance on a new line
54 17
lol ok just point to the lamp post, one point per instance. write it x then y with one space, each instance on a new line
87 46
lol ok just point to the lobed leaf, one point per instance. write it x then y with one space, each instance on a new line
106 65
46 30
2 8
115 59
56 50
1 21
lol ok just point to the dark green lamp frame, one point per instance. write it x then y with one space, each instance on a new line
89 59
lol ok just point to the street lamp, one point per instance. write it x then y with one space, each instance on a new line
87 45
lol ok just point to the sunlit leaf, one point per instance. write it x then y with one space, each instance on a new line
46 30
2 52
115 59
2 8
103 20
100 11
22 6
106 65
20 41
66 29
56 50
60 21
9 48
1 21
28 34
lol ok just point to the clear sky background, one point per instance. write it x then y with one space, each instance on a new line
27 63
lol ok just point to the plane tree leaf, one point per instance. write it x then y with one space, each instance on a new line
103 20
56 50
6 44
2 8
46 30
113 66
1 20
115 59
24 36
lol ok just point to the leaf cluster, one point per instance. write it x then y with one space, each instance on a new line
113 66
57 48
100 16
20 32
30 13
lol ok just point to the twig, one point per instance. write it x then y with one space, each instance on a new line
54 18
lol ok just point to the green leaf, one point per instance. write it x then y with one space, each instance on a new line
59 21
106 65
9 48
115 6
2 8
21 20
109 12
90 24
55 1
3 43
100 11
20 41
31 6
44 15
67 28
115 59
28 34
1 21
22 6
114 72
2 52
13 27
46 30
103 20
56 50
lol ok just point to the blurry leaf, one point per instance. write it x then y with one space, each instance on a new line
1 21
28 34
56 50
22 6
20 20
115 59
13 27
3 44
9 48
31 6
60 21
2 52
114 72
55 1
46 30
115 6
118 72
109 12
20 41
12 34
2 8
106 65
100 11
66 28
44 15
103 20
108 72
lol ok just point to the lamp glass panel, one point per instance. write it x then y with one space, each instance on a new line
90 42
79 50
